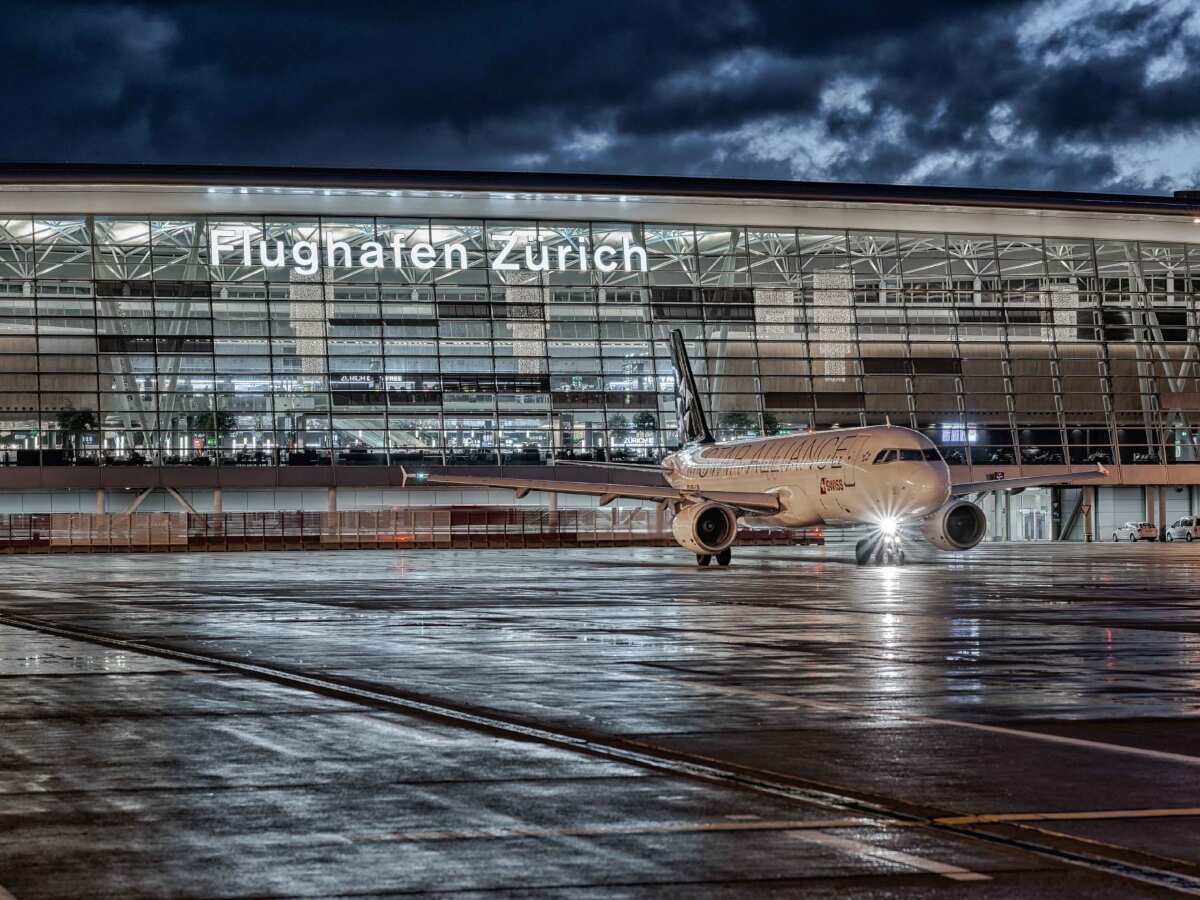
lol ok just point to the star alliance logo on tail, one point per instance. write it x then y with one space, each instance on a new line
692 424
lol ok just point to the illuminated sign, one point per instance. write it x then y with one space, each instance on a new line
234 246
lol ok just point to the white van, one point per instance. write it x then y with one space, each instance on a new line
1185 529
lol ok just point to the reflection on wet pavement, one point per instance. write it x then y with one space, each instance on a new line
1014 680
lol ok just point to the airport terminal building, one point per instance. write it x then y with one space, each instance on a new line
252 338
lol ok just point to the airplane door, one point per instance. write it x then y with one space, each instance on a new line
846 454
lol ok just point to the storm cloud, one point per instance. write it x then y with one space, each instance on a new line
1068 94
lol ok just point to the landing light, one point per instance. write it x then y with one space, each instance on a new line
888 527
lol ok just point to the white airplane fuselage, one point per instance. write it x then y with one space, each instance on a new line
838 477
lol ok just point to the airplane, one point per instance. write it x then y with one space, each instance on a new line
890 478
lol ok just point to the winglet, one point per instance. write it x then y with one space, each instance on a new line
407 476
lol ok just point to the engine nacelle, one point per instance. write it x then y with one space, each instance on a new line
959 525
706 528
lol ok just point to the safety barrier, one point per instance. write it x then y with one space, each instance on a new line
434 527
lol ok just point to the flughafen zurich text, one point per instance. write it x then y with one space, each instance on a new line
305 256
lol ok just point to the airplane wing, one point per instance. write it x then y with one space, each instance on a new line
607 492
1010 484
589 464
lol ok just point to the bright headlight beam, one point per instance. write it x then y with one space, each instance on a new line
888 526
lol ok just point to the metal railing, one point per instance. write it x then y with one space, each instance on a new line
453 527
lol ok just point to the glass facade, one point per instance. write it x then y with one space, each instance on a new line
122 343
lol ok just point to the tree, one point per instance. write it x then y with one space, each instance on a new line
645 421
770 424
73 423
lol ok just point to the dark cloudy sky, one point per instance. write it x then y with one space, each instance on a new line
1072 94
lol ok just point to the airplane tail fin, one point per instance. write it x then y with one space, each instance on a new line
693 426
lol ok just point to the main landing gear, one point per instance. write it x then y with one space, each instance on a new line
724 558
883 550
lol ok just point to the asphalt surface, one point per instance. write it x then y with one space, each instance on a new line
1018 721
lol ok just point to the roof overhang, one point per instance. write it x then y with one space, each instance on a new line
318 178
71 189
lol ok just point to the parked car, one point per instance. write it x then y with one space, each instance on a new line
1136 531
1185 529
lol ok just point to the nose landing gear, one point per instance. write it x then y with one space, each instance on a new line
724 558
881 549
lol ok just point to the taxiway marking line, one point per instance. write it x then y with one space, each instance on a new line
989 818
649 758
823 706
652 758
1161 755
860 848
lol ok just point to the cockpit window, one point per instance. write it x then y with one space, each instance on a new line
929 454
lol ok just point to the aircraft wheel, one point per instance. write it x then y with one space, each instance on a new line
725 557
703 559
862 551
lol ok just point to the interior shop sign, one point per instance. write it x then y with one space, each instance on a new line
230 246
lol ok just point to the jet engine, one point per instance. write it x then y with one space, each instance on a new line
959 525
705 528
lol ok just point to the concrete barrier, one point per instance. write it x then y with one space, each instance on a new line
429 527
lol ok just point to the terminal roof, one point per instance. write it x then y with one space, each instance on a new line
1183 203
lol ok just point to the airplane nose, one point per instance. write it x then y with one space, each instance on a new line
935 490
923 493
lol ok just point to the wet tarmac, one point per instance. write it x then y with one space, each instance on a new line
1021 720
